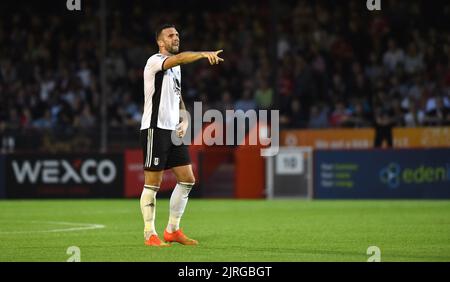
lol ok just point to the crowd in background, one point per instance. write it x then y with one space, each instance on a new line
347 68
321 63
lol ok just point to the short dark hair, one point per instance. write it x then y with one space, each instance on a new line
161 28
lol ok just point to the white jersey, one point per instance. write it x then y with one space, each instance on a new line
162 91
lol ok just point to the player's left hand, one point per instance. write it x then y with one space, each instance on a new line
213 57
182 128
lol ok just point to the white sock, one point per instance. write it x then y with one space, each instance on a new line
148 208
178 202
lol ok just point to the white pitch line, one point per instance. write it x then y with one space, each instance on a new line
80 226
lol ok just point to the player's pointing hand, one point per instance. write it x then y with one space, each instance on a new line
213 57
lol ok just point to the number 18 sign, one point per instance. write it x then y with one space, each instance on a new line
290 163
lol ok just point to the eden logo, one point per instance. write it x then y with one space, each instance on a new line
73 5
373 5
390 175
393 175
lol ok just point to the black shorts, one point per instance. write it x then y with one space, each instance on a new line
159 152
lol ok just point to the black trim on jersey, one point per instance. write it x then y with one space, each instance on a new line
156 99
162 65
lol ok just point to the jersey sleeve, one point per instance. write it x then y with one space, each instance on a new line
155 63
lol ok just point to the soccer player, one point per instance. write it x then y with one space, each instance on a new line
165 112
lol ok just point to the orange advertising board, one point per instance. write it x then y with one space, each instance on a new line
423 137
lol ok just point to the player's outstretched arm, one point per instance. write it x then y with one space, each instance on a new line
190 57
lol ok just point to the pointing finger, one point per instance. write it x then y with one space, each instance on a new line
210 60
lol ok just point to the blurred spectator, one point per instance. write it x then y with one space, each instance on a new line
304 86
14 121
439 115
296 117
359 117
340 115
318 117
246 102
413 117
44 122
26 119
226 103
86 120
84 74
413 60
383 127
264 96
432 103
396 112
373 70
393 57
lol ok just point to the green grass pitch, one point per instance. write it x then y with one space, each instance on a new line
228 230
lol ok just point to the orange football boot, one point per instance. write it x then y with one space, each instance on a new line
155 242
178 236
